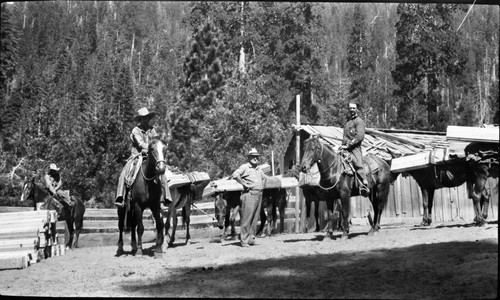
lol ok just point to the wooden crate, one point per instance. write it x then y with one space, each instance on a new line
411 162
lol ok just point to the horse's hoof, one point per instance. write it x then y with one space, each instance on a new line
229 237
262 235
344 237
327 237
188 242
119 252
480 223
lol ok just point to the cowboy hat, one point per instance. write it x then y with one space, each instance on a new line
53 167
253 152
142 113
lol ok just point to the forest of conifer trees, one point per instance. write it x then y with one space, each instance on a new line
223 76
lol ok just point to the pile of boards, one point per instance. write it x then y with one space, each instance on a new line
458 137
27 237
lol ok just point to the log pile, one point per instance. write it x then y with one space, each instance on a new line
26 238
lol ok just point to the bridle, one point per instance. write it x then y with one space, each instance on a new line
325 170
153 153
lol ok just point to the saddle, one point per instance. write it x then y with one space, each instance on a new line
369 164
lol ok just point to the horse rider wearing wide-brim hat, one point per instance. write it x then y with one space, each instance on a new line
53 184
252 178
140 137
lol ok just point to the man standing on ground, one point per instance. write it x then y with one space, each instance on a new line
252 178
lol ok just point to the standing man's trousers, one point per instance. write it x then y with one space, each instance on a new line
250 212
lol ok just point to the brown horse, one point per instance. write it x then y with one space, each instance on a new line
72 215
144 193
454 174
339 184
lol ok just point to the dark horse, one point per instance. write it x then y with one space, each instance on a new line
453 174
72 215
339 184
145 193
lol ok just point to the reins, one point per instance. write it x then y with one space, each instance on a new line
157 162
329 167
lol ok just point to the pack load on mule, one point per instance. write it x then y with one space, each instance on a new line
408 152
471 156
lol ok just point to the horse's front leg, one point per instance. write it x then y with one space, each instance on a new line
169 226
231 229
344 218
263 220
427 202
378 205
159 230
69 233
121 223
186 215
476 194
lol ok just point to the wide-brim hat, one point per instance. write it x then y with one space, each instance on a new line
253 152
143 113
53 167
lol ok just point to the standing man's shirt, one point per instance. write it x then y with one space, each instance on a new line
252 177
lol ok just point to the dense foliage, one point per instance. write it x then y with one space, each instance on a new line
223 77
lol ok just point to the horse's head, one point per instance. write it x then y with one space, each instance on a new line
220 210
158 152
28 188
312 153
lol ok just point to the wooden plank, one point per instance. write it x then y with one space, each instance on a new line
473 134
13 261
397 196
411 162
492 185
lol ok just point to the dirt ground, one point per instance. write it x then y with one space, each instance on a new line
444 261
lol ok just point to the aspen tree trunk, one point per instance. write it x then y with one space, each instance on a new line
132 50
242 49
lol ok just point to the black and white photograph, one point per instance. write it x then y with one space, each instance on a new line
253 149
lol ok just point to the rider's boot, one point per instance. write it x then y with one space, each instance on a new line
119 202
363 188
166 198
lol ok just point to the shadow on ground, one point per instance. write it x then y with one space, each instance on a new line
438 271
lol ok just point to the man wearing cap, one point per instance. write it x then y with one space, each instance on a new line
252 179
354 134
53 184
141 136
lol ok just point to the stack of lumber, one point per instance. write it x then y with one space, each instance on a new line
22 237
227 185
